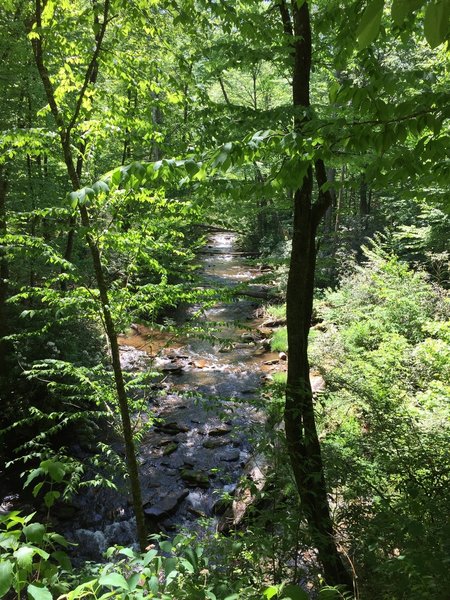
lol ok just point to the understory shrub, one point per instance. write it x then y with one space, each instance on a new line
384 354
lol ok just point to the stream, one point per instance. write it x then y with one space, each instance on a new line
206 424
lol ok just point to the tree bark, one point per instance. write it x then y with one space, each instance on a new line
65 136
4 276
300 425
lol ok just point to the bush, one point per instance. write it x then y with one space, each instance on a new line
385 356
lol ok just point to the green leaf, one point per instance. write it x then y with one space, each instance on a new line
24 556
271 592
6 577
436 22
127 552
153 584
34 532
73 197
133 581
114 580
170 565
59 539
369 25
50 497
402 8
191 167
39 593
54 468
165 546
37 488
62 558
149 556
294 592
90 192
187 565
100 186
116 177
333 91
329 593
42 553
35 473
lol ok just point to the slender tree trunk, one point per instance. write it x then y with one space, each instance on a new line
364 205
34 218
224 92
300 426
73 173
4 276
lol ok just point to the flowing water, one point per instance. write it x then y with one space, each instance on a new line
206 419
207 423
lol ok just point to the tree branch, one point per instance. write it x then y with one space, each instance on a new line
325 198
285 18
91 68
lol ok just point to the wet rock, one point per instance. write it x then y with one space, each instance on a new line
167 505
199 502
231 456
217 442
170 448
260 351
195 478
196 512
121 532
173 369
248 337
274 323
172 428
219 430
271 362
265 331
132 359
200 363
317 383
93 542
163 442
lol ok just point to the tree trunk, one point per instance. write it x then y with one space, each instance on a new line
4 275
300 426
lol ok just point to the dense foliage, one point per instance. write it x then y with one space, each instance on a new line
129 128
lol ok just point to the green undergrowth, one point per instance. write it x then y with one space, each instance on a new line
35 562
279 340
384 351
275 311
